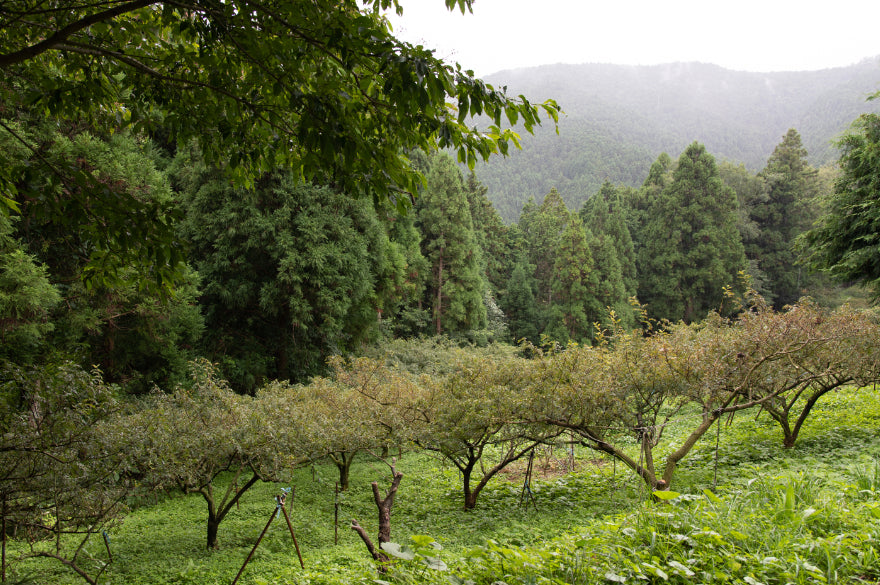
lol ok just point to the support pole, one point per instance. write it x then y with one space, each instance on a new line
3 528
717 442
293 536
527 482
279 503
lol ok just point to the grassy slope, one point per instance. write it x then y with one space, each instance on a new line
590 526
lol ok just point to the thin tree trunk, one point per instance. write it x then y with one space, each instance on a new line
384 506
680 453
440 294
470 497
3 529
213 526
377 554
791 436
343 461
216 513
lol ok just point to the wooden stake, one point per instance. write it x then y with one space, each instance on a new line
3 528
280 502
527 487
293 536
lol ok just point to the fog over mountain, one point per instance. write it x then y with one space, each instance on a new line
619 118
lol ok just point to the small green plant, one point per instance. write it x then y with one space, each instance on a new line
867 478
421 550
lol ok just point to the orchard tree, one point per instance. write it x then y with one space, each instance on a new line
633 385
845 243
796 356
473 413
188 438
615 393
363 405
64 470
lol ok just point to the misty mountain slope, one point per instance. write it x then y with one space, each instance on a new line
618 119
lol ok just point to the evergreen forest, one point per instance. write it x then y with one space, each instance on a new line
268 264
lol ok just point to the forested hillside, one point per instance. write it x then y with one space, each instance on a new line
619 118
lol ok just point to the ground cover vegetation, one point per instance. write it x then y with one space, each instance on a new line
744 509
223 274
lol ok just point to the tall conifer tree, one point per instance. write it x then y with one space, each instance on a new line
613 251
751 192
522 312
456 284
492 237
575 306
791 184
691 247
542 227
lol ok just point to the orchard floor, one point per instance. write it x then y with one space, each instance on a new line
749 512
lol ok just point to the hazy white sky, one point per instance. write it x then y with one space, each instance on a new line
748 35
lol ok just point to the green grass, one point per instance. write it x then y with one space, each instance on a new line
810 514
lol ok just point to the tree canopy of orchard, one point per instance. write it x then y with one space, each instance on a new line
319 86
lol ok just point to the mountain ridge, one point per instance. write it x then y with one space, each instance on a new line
619 118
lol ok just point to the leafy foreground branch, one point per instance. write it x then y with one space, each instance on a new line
321 87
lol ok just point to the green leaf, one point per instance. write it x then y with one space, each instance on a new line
712 497
684 569
656 571
422 540
397 551
665 494
434 563
609 576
